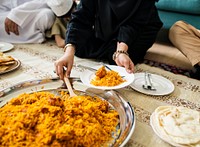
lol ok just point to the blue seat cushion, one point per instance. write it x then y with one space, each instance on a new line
183 6
169 18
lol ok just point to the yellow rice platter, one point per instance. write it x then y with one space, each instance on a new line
41 113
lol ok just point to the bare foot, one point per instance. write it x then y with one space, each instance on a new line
59 41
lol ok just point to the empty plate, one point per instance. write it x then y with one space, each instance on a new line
4 47
163 86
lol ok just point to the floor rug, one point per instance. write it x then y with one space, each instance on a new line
167 67
37 62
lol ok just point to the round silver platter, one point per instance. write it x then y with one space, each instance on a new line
126 112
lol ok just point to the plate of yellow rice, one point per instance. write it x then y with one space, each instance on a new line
106 79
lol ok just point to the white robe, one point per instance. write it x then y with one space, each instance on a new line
34 17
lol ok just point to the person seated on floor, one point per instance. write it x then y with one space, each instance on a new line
117 31
62 10
24 21
186 38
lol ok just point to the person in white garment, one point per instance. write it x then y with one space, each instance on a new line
24 21
62 9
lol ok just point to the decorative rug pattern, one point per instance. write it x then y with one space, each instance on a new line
170 68
38 63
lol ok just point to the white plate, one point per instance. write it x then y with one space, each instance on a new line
87 75
157 132
163 86
4 47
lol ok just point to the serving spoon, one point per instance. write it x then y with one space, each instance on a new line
68 84
69 87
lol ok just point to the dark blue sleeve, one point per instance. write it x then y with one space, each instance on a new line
130 30
80 27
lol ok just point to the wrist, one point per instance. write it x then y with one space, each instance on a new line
70 47
122 46
118 52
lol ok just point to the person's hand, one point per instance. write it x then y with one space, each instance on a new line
67 61
124 61
11 26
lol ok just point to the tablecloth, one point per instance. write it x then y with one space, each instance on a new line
37 62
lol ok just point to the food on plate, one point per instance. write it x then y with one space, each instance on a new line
179 126
5 58
108 78
45 119
6 61
101 72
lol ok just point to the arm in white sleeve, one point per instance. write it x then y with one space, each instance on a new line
24 13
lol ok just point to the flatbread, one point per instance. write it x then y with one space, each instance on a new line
154 122
3 68
5 58
179 125
6 62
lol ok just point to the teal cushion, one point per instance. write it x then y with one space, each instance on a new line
169 18
184 6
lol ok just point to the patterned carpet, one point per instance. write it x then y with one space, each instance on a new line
37 62
170 68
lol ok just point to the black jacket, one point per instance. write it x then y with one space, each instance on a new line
108 19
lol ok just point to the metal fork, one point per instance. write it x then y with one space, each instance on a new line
85 67
105 65
148 82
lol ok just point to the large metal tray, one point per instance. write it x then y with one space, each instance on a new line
125 110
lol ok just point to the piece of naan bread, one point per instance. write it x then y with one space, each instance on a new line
160 132
178 125
5 58
6 62
3 68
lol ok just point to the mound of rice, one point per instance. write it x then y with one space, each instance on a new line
106 78
43 119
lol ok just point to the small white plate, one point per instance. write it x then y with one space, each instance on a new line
4 47
87 75
163 86
158 133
